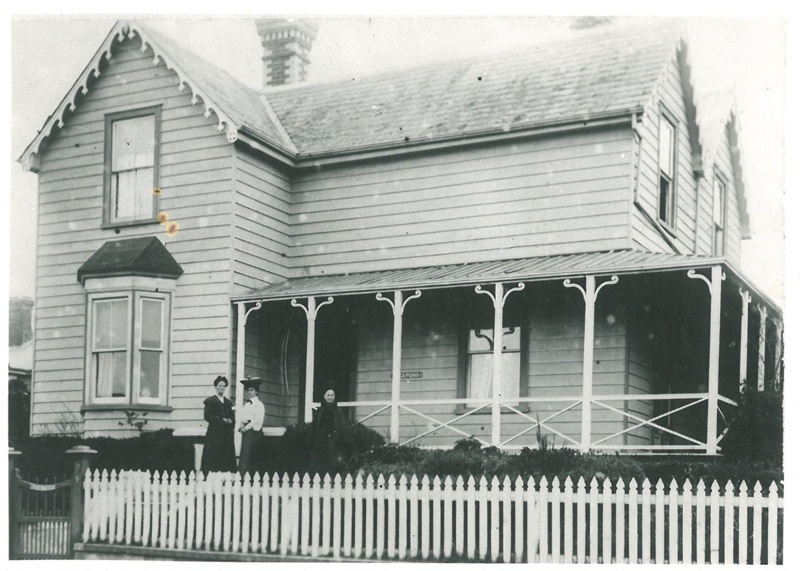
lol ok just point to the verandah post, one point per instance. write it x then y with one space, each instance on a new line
398 307
715 288
589 297
746 299
13 505
311 316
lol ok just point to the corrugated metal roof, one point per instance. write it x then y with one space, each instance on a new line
527 269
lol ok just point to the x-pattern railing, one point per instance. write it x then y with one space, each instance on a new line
477 405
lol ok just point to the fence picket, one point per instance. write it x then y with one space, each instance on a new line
448 517
593 521
633 521
110 511
742 521
227 518
606 522
244 534
128 534
519 521
686 522
569 506
772 525
358 499
413 517
315 520
305 518
402 517
148 499
255 502
380 522
646 518
471 497
274 511
619 522
729 513
181 510
369 522
581 522
660 536
336 497
459 494
285 510
701 523
714 520
544 535
758 503
436 539
494 511
506 507
425 517
555 520
672 545
483 518
347 530
192 519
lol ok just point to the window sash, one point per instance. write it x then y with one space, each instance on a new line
481 362
144 367
104 361
666 167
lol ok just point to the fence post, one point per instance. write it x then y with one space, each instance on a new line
80 464
13 505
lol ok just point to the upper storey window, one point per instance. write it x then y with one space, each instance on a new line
666 167
720 193
131 166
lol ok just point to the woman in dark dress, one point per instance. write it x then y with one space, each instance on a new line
331 438
219 454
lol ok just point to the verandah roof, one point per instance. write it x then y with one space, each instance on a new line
527 269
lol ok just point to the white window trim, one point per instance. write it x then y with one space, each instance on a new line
518 351
134 289
723 212
672 200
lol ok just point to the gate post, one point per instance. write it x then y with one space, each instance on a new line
80 464
13 505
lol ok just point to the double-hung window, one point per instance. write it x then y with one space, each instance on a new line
131 166
666 168
480 348
127 360
720 197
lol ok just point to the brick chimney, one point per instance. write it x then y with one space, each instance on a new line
287 44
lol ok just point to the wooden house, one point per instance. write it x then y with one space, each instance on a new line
538 245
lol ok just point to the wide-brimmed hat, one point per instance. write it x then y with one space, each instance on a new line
253 382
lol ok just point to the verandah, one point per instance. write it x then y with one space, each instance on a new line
433 519
644 415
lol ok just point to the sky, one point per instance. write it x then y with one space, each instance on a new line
744 54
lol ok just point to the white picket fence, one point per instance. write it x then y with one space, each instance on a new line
435 519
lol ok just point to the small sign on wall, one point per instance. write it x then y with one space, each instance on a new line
411 375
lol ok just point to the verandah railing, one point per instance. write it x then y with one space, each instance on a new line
435 519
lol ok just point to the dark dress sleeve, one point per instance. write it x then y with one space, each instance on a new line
212 411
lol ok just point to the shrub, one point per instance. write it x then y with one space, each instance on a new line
755 433
45 456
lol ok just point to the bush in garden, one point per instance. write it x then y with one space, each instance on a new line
755 432
45 456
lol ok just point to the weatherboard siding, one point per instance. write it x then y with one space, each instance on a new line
553 195
555 354
196 179
261 224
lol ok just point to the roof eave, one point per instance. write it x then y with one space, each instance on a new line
592 121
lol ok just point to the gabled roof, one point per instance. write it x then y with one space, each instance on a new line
589 75
145 256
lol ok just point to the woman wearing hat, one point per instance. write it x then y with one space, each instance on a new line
252 419
219 454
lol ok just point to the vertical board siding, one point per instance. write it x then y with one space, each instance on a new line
424 519
534 198
195 176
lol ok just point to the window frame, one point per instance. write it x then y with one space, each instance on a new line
723 226
670 220
133 289
465 325
108 203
